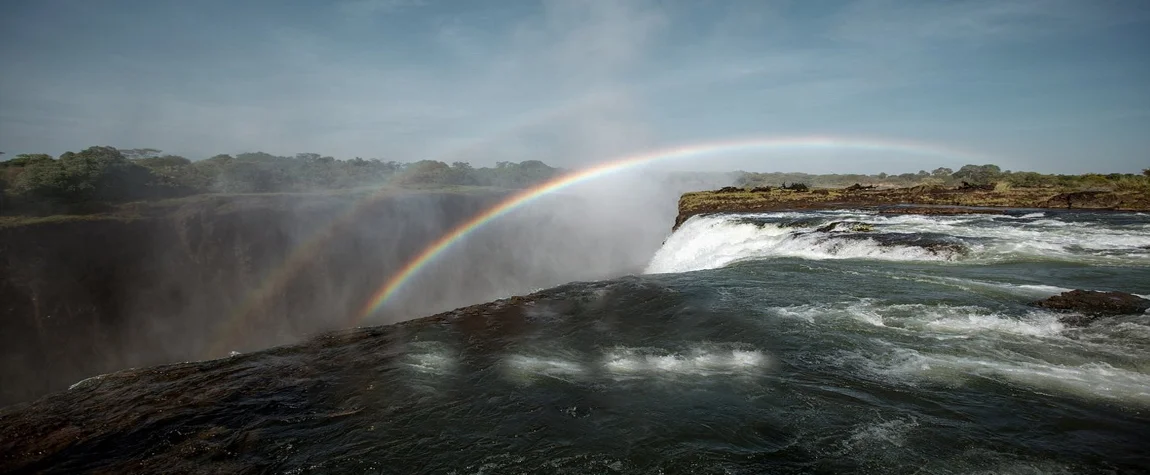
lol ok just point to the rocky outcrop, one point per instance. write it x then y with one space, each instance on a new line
925 199
1088 305
1084 200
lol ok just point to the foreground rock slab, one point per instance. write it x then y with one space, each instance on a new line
1093 304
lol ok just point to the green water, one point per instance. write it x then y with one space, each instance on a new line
752 346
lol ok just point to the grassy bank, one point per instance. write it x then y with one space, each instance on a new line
741 200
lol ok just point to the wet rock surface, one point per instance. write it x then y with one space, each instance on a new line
1090 305
846 226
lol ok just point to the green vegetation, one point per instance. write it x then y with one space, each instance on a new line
1004 195
977 175
98 178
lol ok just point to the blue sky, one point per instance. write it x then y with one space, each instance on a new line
1049 85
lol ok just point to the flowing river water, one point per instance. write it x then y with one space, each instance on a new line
759 343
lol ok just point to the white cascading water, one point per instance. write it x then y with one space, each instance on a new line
708 242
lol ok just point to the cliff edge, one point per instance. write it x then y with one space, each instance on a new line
179 280
929 199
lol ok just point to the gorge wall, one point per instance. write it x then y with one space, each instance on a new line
87 296
176 281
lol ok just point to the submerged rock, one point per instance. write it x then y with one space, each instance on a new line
800 223
1093 304
846 226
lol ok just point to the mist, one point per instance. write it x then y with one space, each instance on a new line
571 83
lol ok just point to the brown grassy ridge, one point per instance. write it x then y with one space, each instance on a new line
744 201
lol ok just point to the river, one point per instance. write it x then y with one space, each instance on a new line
752 344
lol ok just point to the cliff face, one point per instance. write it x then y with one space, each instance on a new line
732 200
85 297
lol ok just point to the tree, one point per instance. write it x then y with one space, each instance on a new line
104 174
1146 171
164 162
138 153
942 172
427 172
24 159
978 174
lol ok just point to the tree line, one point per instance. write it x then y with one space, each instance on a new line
980 175
39 182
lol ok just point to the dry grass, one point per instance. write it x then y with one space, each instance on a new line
1135 196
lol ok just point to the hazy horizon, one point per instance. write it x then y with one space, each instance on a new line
1053 86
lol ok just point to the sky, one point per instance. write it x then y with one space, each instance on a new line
1047 85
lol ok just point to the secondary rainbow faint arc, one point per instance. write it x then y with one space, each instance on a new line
300 257
684 151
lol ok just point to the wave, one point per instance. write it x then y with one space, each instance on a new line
1093 380
929 320
626 363
711 242
708 242
699 362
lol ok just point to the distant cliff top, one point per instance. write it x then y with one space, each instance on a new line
932 199
236 201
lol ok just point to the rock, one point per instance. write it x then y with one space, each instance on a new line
800 223
1093 304
973 187
761 189
729 189
846 226
1084 200
859 187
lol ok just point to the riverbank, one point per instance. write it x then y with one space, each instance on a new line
925 200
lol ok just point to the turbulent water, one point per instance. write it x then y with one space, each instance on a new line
754 344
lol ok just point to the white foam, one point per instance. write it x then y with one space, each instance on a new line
929 319
85 381
1036 324
524 368
431 358
627 361
714 241
707 242
1090 380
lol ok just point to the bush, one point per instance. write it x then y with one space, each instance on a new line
1133 183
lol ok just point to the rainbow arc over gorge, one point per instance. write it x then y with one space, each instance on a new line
696 150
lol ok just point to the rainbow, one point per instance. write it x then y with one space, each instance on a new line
298 259
302 254
389 289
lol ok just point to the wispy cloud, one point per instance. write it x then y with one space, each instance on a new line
575 81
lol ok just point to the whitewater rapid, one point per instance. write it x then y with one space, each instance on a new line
707 242
766 343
